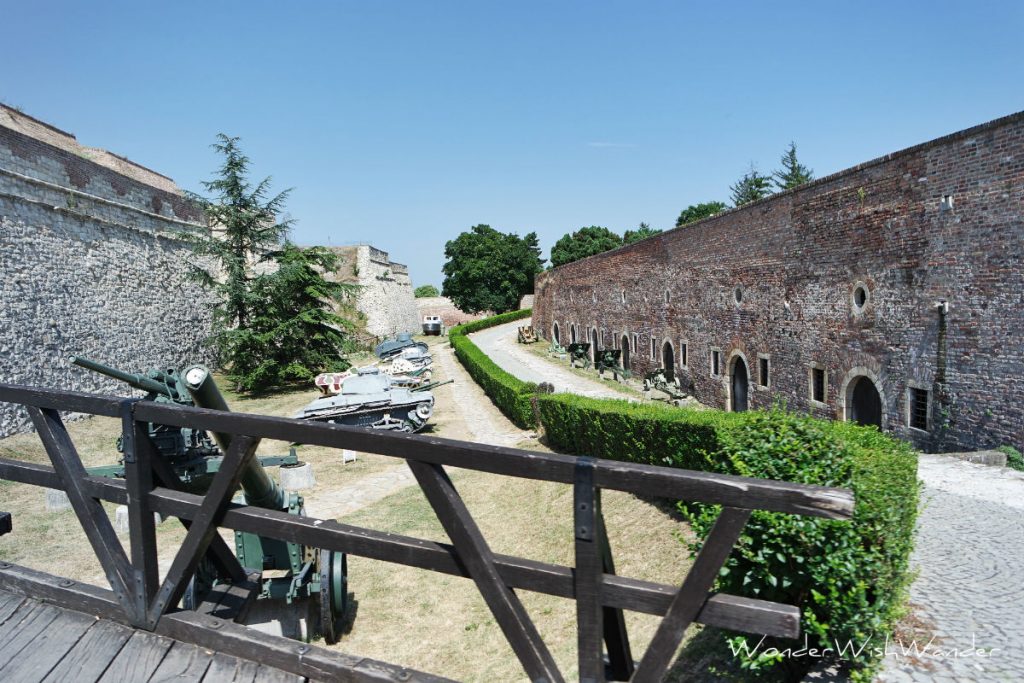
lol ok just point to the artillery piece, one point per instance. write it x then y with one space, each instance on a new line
301 576
526 335
609 360
579 352
656 380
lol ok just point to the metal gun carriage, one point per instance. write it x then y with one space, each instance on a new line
610 360
302 576
579 352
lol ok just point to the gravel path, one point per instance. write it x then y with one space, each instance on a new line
969 556
500 344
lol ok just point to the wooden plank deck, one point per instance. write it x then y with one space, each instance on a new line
41 642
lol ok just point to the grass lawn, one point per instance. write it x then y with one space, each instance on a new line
439 623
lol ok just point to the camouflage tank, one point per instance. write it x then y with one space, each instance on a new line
368 399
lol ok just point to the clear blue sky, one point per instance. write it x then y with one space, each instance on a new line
404 123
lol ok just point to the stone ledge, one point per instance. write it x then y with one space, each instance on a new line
992 457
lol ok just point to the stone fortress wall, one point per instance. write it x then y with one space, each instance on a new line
385 297
891 292
91 263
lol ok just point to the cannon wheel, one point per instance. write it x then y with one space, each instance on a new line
333 594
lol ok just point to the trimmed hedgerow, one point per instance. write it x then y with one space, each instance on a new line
510 394
848 579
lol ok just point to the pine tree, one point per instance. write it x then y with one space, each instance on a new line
751 187
792 173
275 327
293 334
244 227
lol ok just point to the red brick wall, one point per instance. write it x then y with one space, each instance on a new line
797 258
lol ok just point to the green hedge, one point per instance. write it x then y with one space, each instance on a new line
849 579
510 394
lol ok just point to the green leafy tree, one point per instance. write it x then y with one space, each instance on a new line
487 270
426 291
642 232
792 173
695 212
293 333
583 243
751 187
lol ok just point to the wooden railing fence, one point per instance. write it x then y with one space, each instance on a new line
601 595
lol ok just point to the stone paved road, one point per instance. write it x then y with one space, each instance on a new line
969 556
500 344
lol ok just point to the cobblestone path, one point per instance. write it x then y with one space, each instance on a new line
969 556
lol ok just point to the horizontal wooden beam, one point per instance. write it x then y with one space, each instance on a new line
212 633
646 480
724 611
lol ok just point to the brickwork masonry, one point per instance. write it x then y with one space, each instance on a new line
845 276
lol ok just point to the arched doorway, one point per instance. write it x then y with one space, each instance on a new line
624 345
864 401
572 333
740 385
668 361
555 333
593 345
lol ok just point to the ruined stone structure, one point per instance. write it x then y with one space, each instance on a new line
385 298
891 293
91 263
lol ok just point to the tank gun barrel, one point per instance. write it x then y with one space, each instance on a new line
165 388
260 490
431 385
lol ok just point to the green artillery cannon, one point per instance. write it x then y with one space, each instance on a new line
609 360
656 379
579 352
556 350
300 575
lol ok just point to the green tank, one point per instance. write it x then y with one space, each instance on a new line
314 575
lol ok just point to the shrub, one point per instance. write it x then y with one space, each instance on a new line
510 394
1014 459
848 578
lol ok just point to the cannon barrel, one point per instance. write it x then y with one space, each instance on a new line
138 381
260 490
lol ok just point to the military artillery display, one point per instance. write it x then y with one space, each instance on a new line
304 578
526 335
368 398
393 347
609 360
579 352
656 380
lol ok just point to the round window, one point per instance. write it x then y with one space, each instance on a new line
860 296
